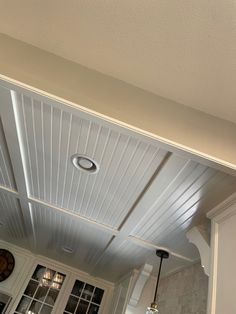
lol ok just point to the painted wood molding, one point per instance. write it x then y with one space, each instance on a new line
200 238
218 215
223 210
142 278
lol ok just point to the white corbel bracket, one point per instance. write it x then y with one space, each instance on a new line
142 278
199 237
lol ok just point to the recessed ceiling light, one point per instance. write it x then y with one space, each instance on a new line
67 249
84 163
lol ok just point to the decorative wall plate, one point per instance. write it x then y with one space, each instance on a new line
7 263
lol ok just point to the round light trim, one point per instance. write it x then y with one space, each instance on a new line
84 163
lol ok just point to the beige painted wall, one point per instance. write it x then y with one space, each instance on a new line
184 292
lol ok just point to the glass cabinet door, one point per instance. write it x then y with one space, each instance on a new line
84 299
41 292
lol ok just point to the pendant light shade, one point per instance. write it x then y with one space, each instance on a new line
152 309
154 306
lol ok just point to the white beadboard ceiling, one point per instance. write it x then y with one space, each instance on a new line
183 50
144 195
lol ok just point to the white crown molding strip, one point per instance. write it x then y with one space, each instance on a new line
223 210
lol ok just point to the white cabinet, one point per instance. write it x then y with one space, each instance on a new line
40 285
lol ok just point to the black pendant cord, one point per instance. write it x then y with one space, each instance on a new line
158 279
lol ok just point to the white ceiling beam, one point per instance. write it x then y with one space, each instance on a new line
153 247
9 191
205 138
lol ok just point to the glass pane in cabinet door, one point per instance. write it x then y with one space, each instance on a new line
97 297
87 292
82 308
46 309
93 309
41 293
78 287
31 288
39 272
71 304
58 281
47 278
35 307
23 305
52 296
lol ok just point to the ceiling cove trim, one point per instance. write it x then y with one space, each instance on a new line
223 210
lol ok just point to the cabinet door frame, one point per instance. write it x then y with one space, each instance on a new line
98 283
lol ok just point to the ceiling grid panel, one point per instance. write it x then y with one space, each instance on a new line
165 176
81 244
220 184
174 199
174 212
51 135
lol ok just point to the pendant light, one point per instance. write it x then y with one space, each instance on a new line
154 306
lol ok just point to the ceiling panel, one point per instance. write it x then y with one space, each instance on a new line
120 260
60 236
6 172
192 193
12 227
51 135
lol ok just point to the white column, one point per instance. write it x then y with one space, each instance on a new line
222 284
